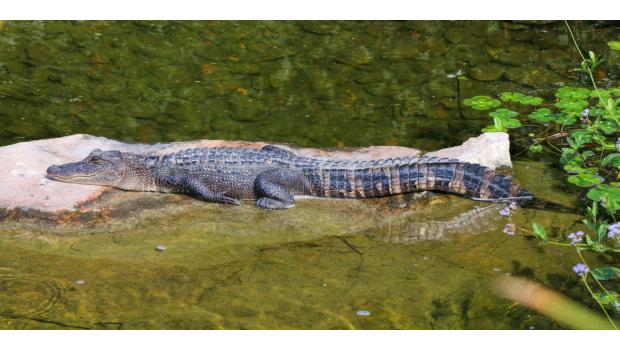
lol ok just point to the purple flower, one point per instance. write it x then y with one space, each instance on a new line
580 269
512 205
504 212
613 230
576 237
585 113
510 229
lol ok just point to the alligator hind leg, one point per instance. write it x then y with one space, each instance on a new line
273 187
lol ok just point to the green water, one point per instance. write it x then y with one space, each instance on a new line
321 84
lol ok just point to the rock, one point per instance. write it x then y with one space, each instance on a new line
489 149
487 72
160 248
532 76
23 166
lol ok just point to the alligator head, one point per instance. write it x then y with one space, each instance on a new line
110 168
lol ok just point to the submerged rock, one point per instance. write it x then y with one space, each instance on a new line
23 184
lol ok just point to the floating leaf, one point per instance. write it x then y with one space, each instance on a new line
531 100
570 93
481 102
504 113
585 180
542 115
606 273
570 105
511 96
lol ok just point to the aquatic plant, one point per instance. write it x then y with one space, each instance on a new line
584 126
521 98
580 269
542 115
570 93
482 102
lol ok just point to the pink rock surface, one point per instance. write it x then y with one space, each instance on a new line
23 165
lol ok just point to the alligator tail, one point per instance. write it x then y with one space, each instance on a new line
399 176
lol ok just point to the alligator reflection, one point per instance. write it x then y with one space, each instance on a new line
410 229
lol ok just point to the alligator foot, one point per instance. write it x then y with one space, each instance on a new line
272 188
273 204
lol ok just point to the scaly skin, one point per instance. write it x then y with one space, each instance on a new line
273 176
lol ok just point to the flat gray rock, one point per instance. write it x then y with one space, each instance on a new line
23 166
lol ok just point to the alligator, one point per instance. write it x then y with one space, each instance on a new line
274 176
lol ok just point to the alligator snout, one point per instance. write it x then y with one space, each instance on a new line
53 171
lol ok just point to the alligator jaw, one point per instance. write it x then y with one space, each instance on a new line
57 173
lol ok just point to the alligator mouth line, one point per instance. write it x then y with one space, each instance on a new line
70 177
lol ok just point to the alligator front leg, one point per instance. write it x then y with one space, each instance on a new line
273 188
196 188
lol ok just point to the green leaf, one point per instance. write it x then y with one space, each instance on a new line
569 93
606 297
542 115
614 45
503 113
606 273
536 148
540 232
613 158
585 180
510 96
565 120
608 196
571 105
481 102
574 169
582 136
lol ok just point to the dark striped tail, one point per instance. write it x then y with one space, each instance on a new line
399 176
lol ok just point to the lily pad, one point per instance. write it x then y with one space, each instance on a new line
511 96
481 102
569 105
570 93
520 98
531 100
542 115
503 113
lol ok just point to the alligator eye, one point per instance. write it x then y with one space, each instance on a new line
96 159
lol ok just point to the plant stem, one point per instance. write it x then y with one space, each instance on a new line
592 293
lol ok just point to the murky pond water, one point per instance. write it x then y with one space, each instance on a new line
324 264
